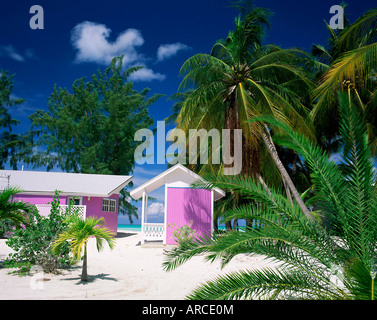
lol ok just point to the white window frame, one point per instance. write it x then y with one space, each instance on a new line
111 203
74 197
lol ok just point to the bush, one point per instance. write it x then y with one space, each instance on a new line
33 244
183 234
6 228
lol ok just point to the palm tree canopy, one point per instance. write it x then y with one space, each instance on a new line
79 232
14 210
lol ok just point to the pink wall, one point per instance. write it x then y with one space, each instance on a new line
185 205
93 207
36 199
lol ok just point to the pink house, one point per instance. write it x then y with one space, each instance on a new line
183 204
93 194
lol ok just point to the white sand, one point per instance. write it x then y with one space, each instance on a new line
127 272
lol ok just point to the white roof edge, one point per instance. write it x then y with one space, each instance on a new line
121 186
135 193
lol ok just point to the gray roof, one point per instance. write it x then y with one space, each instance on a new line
36 182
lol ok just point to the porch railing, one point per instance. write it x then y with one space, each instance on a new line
44 209
153 231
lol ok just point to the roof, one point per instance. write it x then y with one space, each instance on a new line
36 182
177 172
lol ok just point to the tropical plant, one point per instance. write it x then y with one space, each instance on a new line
184 233
78 234
332 256
13 210
32 244
240 79
352 62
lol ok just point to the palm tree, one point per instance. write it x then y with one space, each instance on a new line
241 79
78 234
330 257
13 210
352 59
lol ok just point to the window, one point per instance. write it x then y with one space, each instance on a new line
109 205
76 201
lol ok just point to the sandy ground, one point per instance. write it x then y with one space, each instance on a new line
129 271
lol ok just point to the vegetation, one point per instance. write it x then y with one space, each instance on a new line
33 244
296 111
91 130
77 234
183 234
14 211
12 144
330 257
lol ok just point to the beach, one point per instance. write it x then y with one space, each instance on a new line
130 271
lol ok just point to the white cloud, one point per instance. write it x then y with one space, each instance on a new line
155 209
146 74
92 43
11 52
166 51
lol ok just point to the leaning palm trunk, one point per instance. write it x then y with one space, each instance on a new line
288 183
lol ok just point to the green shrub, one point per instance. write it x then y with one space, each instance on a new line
32 245
183 234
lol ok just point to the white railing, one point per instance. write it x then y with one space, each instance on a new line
153 231
44 209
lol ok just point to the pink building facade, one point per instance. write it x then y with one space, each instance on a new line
183 205
188 206
95 195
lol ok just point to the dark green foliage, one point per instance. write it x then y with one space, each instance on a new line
10 142
33 244
91 129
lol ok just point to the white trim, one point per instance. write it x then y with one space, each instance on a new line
110 199
142 216
74 197
165 214
161 179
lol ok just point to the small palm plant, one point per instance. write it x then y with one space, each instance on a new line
16 211
331 255
78 234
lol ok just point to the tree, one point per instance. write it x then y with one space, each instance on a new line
10 143
331 258
78 233
14 210
241 79
91 130
352 61
32 245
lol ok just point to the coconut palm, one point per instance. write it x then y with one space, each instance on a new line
13 210
78 234
352 59
240 79
330 257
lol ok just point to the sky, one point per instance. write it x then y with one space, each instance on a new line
78 37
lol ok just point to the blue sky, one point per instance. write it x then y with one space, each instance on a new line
81 36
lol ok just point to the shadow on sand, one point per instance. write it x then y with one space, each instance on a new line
91 279
125 234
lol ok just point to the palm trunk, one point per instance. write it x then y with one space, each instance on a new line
84 273
250 154
288 183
